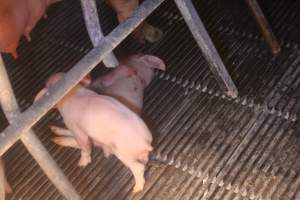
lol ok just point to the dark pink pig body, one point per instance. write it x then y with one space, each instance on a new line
37 9
17 18
13 19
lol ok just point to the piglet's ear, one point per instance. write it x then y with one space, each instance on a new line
86 81
40 94
153 62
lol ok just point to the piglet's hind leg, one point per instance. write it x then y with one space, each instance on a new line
86 148
137 170
66 141
61 131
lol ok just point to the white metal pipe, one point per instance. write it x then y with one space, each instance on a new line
31 142
92 24
207 47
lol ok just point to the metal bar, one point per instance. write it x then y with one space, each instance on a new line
24 121
32 143
93 27
209 51
264 26
2 180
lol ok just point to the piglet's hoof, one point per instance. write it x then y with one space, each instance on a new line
84 161
137 188
139 185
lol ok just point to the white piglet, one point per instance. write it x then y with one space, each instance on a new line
128 81
109 124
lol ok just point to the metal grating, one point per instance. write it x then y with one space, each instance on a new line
206 145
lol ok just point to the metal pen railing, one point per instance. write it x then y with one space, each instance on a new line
21 123
93 27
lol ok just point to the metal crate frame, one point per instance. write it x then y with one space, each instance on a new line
21 123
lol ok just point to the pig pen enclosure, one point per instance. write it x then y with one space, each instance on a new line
206 145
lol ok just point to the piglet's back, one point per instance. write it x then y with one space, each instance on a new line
106 120
115 117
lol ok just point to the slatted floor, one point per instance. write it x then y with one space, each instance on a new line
207 146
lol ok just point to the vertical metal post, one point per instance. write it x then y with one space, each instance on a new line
93 27
31 142
205 43
2 180
264 26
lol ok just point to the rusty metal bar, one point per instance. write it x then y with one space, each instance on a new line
205 43
93 27
31 142
24 121
264 26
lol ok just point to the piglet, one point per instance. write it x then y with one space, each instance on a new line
144 32
14 17
106 122
17 18
127 82
37 10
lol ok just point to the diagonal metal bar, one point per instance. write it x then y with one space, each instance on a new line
24 121
209 51
93 27
264 26
31 142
